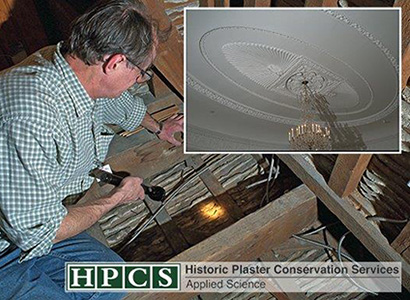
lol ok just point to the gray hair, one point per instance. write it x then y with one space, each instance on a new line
112 27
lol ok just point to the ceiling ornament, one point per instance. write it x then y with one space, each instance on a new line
260 63
274 68
308 135
285 65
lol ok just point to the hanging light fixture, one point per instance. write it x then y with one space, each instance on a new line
309 135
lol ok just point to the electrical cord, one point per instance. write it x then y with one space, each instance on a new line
194 175
339 252
269 183
339 256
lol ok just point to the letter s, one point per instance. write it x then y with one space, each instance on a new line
165 276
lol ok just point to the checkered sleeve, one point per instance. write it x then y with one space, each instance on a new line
30 213
126 111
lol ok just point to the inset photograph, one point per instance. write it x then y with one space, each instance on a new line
306 80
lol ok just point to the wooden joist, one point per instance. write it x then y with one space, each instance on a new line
347 172
251 236
365 232
402 242
318 3
169 59
405 11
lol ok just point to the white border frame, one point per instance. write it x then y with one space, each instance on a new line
291 9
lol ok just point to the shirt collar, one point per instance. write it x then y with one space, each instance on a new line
81 100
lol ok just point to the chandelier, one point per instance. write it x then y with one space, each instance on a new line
309 135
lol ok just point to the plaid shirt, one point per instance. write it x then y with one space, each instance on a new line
52 134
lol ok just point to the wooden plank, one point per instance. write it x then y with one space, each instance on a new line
262 3
250 237
330 3
405 68
347 172
365 232
405 14
206 3
170 53
319 3
215 187
258 232
402 241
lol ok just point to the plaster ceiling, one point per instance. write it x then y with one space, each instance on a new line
244 68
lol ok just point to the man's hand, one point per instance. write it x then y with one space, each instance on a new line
129 190
171 126
82 216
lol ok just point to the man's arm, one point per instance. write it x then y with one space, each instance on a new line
82 216
168 128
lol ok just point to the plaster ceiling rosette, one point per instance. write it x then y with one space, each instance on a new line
253 62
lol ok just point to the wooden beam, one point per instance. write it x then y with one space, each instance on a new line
262 3
319 3
251 236
365 232
347 172
402 241
405 12
169 59
330 3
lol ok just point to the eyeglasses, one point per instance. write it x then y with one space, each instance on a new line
146 75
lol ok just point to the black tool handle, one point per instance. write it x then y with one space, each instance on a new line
156 193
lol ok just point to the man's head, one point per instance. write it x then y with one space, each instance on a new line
111 27
118 36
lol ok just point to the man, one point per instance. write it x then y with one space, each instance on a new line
53 109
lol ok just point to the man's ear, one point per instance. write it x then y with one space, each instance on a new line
113 62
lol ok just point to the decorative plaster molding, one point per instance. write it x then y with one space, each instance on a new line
267 116
279 70
260 63
282 90
335 14
228 102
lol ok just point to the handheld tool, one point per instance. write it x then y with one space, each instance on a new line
156 193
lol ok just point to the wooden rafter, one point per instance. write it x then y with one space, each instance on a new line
318 3
366 233
170 53
402 242
405 12
251 236
347 172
